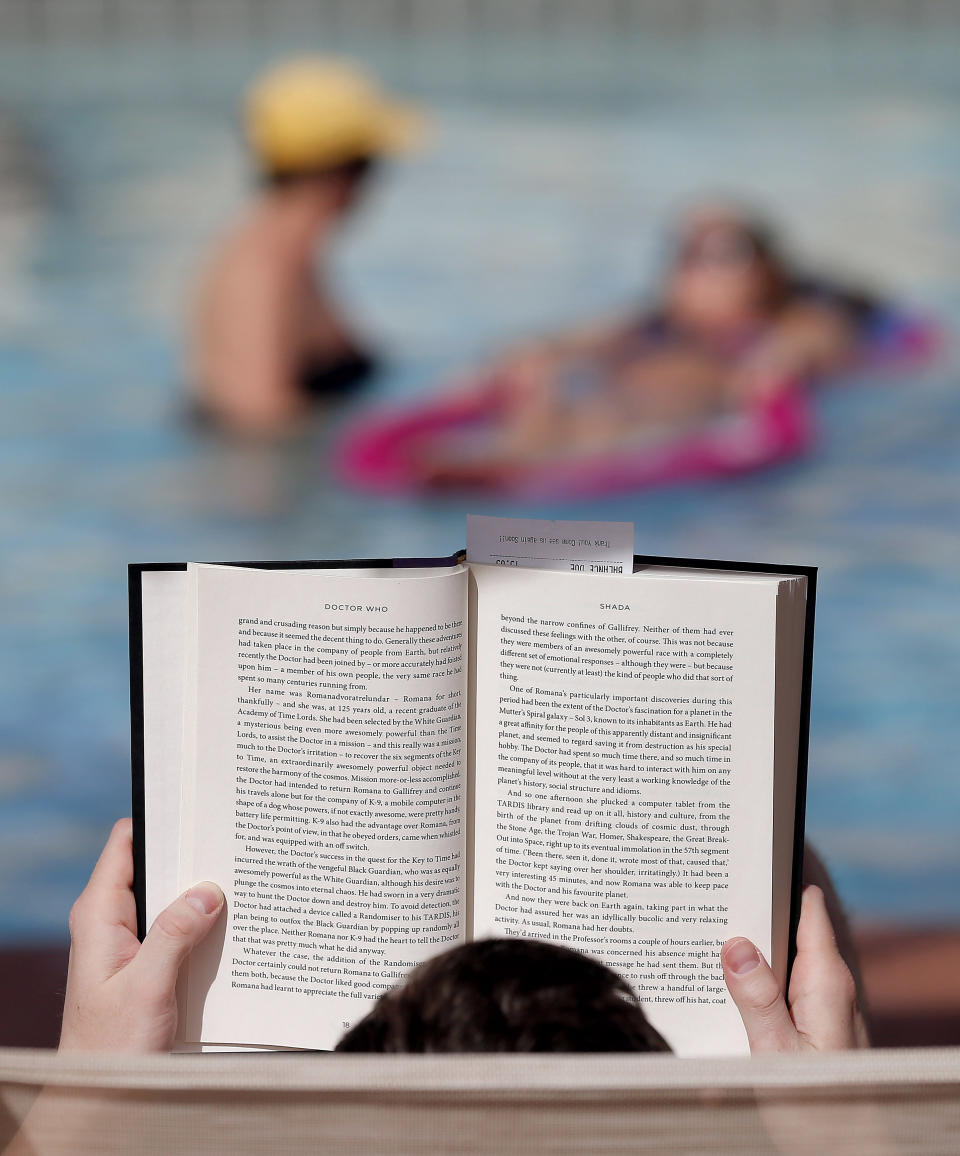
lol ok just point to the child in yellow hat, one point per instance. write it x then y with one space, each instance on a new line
267 339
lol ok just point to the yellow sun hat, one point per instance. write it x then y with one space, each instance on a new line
318 113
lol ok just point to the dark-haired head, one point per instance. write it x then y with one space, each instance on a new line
507 995
325 189
353 172
727 272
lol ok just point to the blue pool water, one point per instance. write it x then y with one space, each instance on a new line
534 206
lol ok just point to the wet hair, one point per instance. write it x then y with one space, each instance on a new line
353 171
785 283
507 995
757 237
761 234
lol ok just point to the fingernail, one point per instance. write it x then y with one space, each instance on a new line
740 956
205 898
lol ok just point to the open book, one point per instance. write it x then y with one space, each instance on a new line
378 761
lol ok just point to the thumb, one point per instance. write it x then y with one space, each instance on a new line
174 934
754 989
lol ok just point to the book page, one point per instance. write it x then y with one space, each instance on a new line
624 777
163 639
323 790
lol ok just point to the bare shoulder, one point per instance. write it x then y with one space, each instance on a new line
242 265
810 314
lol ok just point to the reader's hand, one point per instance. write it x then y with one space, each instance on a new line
121 994
821 1012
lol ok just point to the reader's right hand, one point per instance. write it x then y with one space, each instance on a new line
820 1012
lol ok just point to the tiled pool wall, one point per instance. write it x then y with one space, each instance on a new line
72 20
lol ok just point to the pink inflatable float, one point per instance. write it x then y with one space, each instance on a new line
385 453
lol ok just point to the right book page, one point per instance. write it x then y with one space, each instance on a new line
636 738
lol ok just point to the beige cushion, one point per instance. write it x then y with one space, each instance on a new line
860 1103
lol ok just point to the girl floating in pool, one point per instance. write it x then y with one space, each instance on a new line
707 382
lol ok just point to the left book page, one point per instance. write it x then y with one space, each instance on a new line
323 787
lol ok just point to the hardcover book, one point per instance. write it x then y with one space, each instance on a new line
378 760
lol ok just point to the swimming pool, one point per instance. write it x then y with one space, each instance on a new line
535 205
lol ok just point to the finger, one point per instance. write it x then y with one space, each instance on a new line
754 989
174 934
103 921
815 931
823 994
